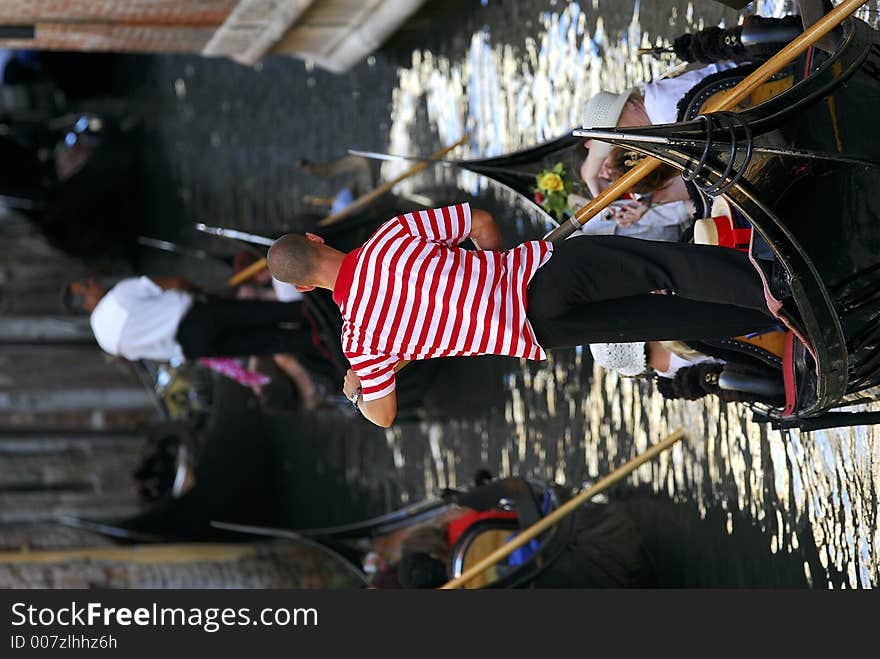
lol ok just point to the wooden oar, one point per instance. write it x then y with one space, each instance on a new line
567 508
772 66
247 273
360 202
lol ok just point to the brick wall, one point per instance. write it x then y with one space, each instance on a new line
116 25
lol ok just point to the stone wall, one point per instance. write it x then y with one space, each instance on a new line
71 419
52 373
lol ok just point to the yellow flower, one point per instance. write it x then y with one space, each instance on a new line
550 181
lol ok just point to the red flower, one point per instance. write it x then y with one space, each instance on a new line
539 198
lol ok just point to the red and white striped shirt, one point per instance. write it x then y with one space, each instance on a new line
410 293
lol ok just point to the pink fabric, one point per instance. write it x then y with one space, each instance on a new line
233 370
775 307
788 374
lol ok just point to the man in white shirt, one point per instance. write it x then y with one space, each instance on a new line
164 319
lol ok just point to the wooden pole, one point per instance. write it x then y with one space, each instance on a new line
567 508
248 272
358 203
772 66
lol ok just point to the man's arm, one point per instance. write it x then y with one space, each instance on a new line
452 225
448 225
484 232
380 411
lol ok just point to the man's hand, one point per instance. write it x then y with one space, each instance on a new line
484 231
351 384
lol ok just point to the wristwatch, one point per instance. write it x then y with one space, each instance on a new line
354 397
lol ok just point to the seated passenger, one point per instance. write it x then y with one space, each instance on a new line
656 104
658 207
657 101
351 176
680 371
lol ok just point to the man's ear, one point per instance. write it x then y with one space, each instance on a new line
313 238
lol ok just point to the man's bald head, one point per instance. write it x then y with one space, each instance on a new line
294 259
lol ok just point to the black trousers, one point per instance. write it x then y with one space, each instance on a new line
598 288
222 327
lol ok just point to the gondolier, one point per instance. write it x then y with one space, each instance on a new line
411 293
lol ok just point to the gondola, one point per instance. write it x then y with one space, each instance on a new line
636 539
597 546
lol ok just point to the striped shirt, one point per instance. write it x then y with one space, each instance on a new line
409 293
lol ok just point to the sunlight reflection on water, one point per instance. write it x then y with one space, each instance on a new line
513 95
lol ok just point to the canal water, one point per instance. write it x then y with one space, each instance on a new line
510 75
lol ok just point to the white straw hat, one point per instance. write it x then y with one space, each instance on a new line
626 358
602 111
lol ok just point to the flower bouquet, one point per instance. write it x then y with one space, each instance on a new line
551 191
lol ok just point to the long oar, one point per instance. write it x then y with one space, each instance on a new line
567 508
246 273
772 66
358 203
